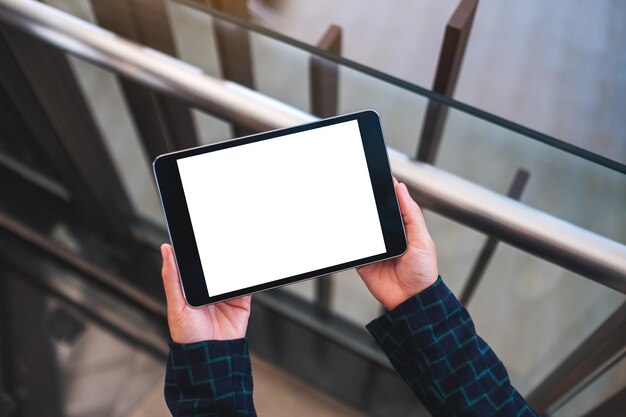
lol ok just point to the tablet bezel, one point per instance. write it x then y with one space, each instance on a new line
181 231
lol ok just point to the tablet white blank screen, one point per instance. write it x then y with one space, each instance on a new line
281 207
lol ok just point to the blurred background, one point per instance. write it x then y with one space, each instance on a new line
506 120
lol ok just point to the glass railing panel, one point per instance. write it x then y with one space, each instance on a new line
563 184
281 71
480 150
534 314
372 74
196 44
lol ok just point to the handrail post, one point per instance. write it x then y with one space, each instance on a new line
325 75
234 50
450 59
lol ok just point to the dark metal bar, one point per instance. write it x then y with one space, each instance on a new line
16 137
614 406
7 399
323 293
16 388
488 249
325 75
79 144
580 366
29 208
450 59
233 43
32 378
164 123
233 48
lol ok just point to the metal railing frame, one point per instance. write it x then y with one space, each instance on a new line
579 250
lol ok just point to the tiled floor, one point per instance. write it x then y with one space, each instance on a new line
553 67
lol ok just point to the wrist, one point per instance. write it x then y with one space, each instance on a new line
394 302
403 293
193 336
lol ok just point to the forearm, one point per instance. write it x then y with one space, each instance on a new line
211 378
431 341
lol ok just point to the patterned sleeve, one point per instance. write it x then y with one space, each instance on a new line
211 378
431 341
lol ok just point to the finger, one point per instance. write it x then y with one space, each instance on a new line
395 181
171 279
412 216
241 302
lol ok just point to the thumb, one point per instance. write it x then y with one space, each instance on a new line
411 216
171 280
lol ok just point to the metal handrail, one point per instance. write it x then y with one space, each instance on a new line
579 250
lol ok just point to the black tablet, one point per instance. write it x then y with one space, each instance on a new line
255 213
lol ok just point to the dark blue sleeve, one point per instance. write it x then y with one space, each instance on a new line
431 341
211 378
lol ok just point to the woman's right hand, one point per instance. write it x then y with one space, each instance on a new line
395 280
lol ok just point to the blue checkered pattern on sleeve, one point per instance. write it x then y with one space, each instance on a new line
431 341
209 379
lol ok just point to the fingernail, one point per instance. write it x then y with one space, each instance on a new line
163 252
